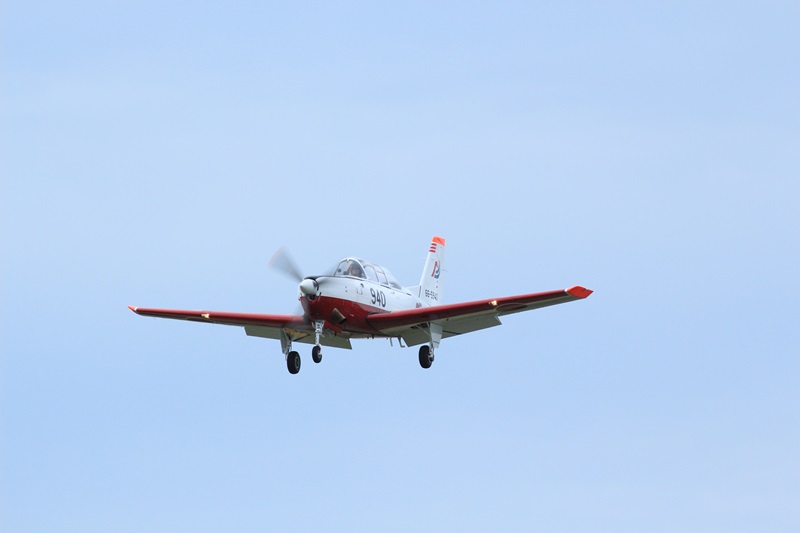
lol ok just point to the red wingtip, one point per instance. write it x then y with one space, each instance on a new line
132 308
438 240
579 292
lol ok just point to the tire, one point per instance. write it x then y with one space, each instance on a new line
293 362
425 356
316 354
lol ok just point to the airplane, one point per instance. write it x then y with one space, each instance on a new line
360 299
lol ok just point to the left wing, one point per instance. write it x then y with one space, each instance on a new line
465 317
255 324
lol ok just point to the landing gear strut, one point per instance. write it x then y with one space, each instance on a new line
425 356
316 351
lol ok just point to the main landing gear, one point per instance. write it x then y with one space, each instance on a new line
425 356
293 362
292 357
426 350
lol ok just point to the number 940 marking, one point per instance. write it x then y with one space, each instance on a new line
378 297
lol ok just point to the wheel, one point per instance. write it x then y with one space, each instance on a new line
293 362
316 354
425 356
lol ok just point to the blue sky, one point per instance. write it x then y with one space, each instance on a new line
157 154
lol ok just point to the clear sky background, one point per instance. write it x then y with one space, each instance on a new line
158 153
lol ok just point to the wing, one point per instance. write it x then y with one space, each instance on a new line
255 324
465 317
230 319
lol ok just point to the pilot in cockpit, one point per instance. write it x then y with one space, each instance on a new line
355 270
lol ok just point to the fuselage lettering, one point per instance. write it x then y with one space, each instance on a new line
378 297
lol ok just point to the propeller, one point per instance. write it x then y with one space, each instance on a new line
284 263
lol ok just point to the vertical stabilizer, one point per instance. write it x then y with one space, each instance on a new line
430 285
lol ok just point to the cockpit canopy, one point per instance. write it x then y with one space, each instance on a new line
358 268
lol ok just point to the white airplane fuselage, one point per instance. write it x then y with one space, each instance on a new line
346 299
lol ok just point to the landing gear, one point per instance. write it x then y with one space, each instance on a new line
292 357
425 356
316 353
293 362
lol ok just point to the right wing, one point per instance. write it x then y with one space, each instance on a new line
230 319
254 324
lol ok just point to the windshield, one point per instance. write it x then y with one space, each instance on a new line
358 268
349 267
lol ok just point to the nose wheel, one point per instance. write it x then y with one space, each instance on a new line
425 356
316 353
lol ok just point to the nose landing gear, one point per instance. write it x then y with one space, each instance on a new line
316 351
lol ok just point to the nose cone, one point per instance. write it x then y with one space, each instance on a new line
309 287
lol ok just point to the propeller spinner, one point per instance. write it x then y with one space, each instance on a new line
309 286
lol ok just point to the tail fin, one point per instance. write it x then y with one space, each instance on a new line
430 285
